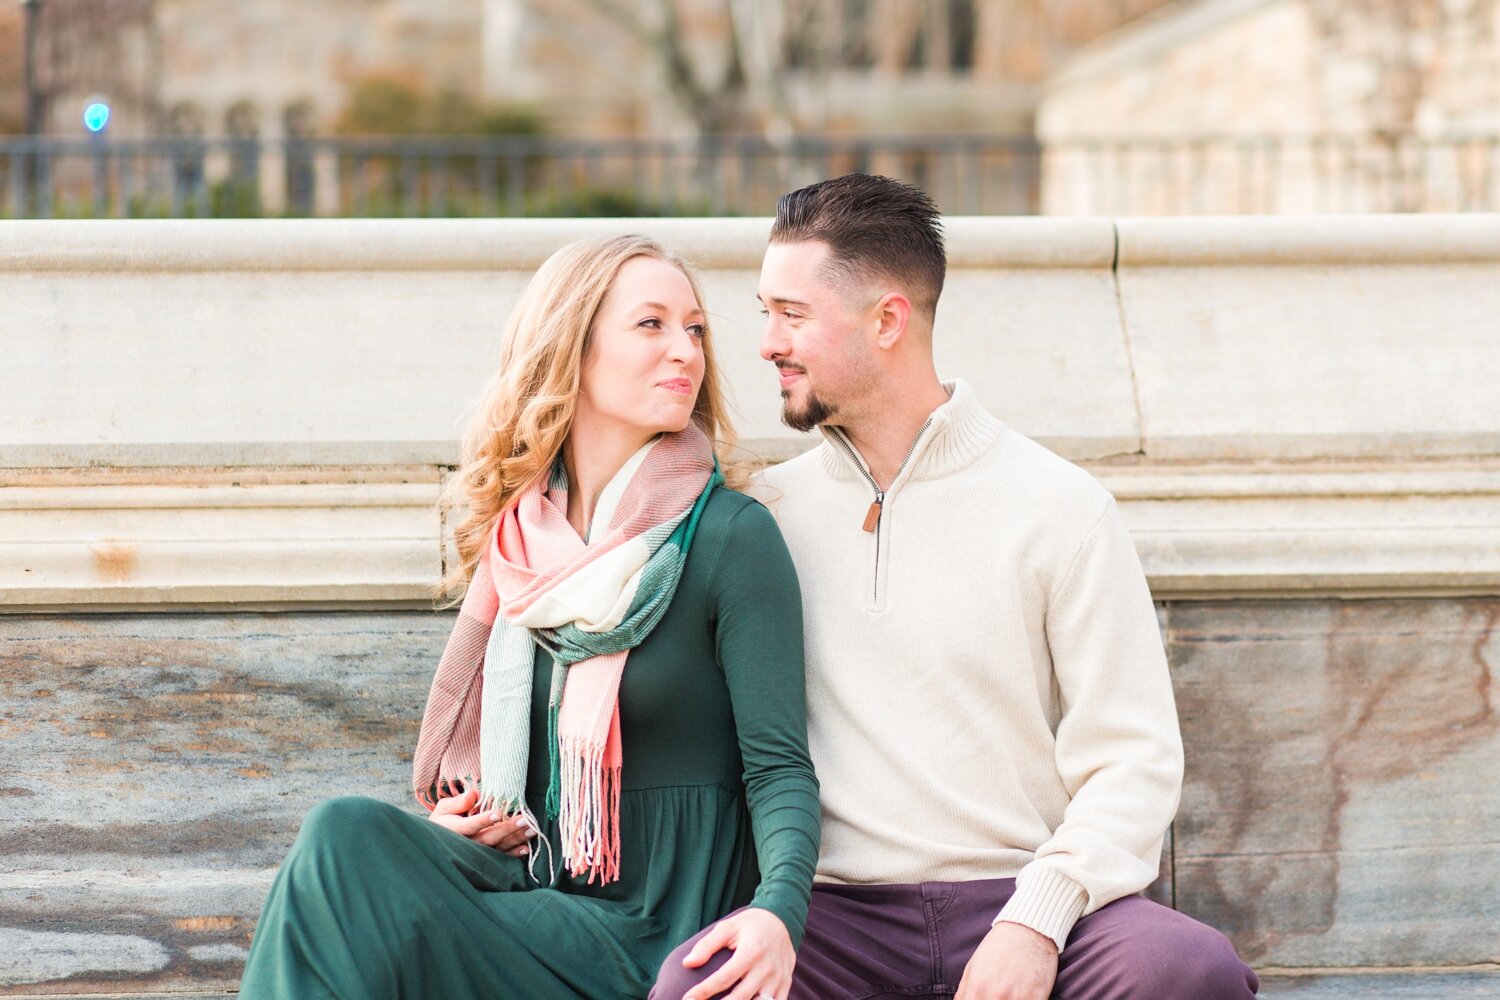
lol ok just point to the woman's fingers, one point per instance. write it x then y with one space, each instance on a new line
720 982
492 828
507 834
753 985
708 945
452 816
762 963
454 805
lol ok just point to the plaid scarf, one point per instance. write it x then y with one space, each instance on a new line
588 603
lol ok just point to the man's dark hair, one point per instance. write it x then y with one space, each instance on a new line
874 227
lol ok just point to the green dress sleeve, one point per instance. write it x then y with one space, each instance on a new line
758 635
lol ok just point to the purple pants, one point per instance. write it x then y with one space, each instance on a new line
884 942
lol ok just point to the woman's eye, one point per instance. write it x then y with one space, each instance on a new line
697 330
652 322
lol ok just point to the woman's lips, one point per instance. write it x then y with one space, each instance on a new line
681 386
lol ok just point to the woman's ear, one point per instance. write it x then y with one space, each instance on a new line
894 313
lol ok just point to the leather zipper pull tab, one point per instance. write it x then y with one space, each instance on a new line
872 516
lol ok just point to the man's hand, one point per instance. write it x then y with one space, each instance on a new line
762 963
1013 962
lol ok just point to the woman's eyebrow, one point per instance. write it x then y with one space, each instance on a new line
695 311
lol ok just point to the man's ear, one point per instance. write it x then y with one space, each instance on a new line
893 312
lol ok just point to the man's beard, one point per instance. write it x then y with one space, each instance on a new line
814 412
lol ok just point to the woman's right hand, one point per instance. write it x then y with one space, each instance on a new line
511 834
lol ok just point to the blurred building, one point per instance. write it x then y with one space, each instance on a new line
206 67
1116 107
1227 106
12 92
588 67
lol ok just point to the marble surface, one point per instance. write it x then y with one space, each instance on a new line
1338 808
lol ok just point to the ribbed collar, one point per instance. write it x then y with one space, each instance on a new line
957 433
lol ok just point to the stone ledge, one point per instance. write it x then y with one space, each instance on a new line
373 537
360 341
1341 240
481 244
234 541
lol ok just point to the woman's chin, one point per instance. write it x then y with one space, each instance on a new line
671 423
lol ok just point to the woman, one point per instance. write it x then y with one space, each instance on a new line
614 748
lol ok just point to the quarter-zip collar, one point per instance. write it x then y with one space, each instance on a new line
956 434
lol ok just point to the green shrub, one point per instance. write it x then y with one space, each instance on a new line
386 105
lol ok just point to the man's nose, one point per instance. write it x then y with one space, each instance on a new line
773 345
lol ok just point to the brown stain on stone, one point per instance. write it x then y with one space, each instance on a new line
1404 685
1245 797
115 561
199 925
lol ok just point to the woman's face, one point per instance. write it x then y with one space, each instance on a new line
645 363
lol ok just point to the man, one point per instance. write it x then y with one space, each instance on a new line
989 707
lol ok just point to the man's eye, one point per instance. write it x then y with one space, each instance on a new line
764 311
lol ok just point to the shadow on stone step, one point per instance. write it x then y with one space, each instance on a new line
1425 985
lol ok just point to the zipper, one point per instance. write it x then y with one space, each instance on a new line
877 507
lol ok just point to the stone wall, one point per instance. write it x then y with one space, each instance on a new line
221 445
1284 406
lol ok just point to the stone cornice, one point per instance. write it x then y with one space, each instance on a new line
277 538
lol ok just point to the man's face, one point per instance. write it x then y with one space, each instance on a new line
818 337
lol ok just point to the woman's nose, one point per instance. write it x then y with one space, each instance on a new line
680 346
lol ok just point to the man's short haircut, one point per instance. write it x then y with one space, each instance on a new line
875 227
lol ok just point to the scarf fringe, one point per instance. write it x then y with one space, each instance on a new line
445 788
589 817
518 807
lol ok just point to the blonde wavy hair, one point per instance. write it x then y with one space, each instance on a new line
526 410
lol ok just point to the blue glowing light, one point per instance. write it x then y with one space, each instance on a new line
96 116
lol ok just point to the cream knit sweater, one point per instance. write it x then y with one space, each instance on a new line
987 692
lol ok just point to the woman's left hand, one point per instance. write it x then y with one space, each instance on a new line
762 963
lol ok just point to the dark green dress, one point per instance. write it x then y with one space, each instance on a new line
719 808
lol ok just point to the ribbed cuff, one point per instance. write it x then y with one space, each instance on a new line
789 912
1046 901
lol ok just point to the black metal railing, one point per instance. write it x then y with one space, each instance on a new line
1355 172
515 176
521 176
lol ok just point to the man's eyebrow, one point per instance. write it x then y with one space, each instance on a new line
777 300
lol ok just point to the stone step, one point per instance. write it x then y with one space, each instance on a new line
1424 984
1417 985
